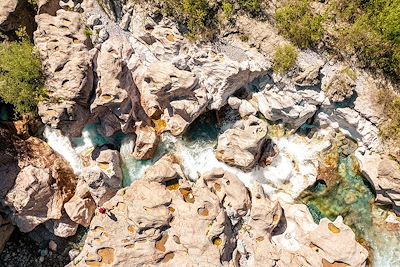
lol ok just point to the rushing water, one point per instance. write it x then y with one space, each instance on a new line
292 171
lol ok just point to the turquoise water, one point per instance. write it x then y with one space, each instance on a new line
352 198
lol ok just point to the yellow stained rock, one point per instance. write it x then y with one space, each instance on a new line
217 241
187 195
169 256
333 228
159 125
160 244
170 37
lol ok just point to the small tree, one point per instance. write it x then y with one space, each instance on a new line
285 57
21 82
296 21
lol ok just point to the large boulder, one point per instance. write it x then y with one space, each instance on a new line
340 85
103 176
301 242
241 146
117 100
146 143
170 94
42 186
384 175
67 64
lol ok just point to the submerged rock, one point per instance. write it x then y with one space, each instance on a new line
241 146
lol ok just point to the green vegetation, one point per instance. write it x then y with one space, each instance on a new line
374 35
251 6
285 57
297 22
390 129
201 17
21 82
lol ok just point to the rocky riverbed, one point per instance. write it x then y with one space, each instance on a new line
178 153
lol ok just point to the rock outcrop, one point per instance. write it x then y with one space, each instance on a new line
164 219
38 185
241 146
384 175
103 176
6 229
67 64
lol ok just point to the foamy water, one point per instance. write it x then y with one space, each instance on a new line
293 170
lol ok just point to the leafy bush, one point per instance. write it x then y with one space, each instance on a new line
21 82
296 21
201 16
251 6
373 34
390 128
285 57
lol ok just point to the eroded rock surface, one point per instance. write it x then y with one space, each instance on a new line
384 175
164 219
241 146
67 64
43 183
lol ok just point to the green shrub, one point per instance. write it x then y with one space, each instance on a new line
390 128
285 57
195 13
373 34
21 82
227 8
251 6
296 21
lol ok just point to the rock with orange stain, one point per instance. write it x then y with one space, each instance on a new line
103 176
146 143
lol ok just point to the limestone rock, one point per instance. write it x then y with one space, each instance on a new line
384 175
254 246
357 126
63 227
329 237
304 243
160 219
115 91
6 8
231 192
309 76
104 177
171 95
81 207
291 107
67 64
43 185
241 146
340 85
146 143
9 168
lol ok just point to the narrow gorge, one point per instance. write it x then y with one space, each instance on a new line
155 147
